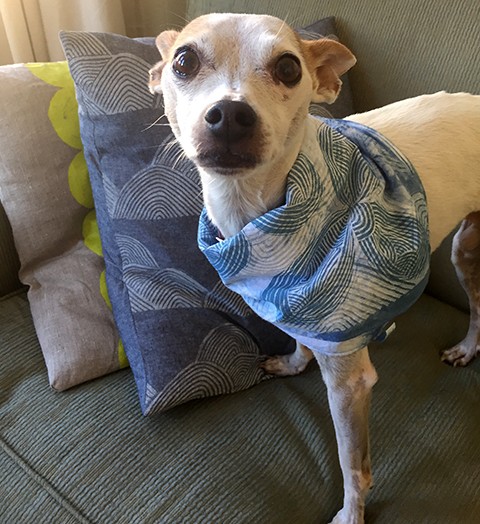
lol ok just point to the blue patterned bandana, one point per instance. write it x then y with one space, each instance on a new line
346 253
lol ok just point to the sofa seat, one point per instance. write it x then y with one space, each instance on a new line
265 455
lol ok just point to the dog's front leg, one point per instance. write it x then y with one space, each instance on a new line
349 380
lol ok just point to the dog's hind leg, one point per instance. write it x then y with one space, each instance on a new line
349 380
466 259
288 365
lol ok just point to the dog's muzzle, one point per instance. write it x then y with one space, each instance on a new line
228 142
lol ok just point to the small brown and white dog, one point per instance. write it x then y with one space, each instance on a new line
236 90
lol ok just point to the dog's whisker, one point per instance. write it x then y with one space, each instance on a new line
205 185
200 193
160 117
165 147
171 142
180 17
156 123
180 156
171 145
284 22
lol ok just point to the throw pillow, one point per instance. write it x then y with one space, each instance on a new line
186 336
46 194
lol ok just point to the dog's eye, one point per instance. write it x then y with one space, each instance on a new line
288 70
186 62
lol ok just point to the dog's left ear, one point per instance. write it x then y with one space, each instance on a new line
164 42
327 60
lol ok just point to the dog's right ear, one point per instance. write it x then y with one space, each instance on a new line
164 42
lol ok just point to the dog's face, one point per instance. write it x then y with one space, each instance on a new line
237 88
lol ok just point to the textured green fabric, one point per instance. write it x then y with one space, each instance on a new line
403 48
265 455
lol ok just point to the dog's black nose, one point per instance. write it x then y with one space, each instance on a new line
230 120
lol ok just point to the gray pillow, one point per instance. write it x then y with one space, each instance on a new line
186 336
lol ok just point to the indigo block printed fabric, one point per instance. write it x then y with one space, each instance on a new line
185 334
347 252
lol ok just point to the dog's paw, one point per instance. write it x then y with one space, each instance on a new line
460 355
283 365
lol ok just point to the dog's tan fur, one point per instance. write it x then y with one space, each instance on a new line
440 134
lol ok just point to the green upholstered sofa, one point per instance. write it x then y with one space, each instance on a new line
267 454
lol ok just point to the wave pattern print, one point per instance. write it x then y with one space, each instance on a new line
229 266
227 362
153 288
162 289
86 70
287 220
120 86
168 188
134 253
110 83
83 45
355 257
156 194
319 296
150 199
223 299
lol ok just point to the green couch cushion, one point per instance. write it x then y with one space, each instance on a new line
265 454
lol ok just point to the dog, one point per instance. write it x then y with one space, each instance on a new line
237 90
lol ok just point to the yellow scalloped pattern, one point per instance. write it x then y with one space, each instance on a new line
63 115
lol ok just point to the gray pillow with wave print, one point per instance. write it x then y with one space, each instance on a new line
185 334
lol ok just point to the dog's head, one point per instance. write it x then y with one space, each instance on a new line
237 88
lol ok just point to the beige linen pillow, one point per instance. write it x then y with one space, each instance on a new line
46 194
